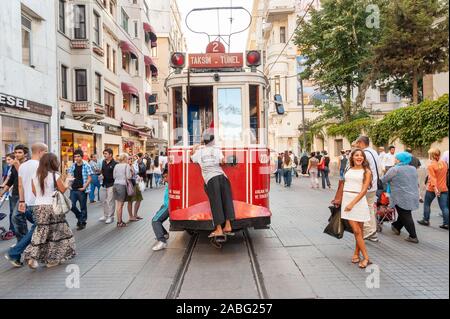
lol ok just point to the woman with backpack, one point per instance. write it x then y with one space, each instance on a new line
52 241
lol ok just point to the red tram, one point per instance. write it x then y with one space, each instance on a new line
217 92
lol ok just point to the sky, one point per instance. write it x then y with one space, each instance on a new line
207 21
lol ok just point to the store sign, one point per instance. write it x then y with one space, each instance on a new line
88 127
74 125
22 104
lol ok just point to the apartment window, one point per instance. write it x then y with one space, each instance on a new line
96 28
136 65
277 84
64 81
282 34
98 86
126 62
108 56
81 85
62 17
114 61
152 99
136 32
80 22
109 104
383 95
112 7
126 102
26 40
125 19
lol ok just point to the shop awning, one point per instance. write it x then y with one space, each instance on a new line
129 89
127 47
151 64
129 127
151 32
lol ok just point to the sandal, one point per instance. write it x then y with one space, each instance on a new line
213 235
139 217
363 265
356 261
121 224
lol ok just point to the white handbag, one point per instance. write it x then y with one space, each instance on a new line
61 204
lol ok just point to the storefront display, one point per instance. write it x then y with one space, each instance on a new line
71 141
16 131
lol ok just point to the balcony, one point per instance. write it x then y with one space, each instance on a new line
88 110
278 8
79 44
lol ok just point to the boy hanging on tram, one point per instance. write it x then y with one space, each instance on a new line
161 216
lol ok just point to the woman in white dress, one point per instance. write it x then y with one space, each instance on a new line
354 203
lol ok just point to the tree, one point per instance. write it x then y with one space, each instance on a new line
338 44
414 42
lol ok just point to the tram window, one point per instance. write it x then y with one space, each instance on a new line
200 112
254 113
178 116
230 114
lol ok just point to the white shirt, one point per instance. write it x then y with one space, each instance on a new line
209 158
375 166
46 197
163 161
445 157
26 172
388 160
381 158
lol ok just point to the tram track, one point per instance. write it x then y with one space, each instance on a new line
183 269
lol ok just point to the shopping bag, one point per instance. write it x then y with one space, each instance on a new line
335 225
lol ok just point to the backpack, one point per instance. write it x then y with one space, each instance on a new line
296 160
142 168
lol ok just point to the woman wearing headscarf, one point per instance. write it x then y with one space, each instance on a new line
403 180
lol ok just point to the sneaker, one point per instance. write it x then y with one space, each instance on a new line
159 246
166 236
33 264
102 219
423 222
15 263
412 240
395 230
109 220
373 239
444 226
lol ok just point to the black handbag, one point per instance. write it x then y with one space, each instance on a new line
335 225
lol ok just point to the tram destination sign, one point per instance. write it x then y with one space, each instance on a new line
216 60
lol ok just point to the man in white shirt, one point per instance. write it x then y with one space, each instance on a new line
370 227
26 204
389 159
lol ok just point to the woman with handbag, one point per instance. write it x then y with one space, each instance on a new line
52 241
122 186
355 207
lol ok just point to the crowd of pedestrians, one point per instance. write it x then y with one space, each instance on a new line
32 179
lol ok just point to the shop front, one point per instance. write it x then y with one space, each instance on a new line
113 138
22 122
133 140
79 135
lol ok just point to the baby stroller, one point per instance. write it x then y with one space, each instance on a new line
384 213
4 234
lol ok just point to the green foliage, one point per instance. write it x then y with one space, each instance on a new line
351 130
416 126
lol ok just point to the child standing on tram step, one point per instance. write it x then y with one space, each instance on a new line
217 185
160 217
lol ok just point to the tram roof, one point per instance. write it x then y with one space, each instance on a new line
226 77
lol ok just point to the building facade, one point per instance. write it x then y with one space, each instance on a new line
270 32
166 20
28 105
105 73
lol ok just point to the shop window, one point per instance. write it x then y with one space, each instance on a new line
230 114
64 81
71 141
254 113
96 28
109 105
62 16
26 40
125 19
80 22
81 85
282 34
178 116
126 102
98 86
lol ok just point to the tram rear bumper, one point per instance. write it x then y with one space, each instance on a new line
199 217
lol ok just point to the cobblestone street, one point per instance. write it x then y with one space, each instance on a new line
296 258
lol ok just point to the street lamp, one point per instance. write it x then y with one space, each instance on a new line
303 110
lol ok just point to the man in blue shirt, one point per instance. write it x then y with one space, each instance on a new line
81 173
160 217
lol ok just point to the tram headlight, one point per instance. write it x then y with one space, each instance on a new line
253 58
178 60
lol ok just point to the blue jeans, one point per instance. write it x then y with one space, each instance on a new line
157 179
157 223
13 203
342 173
443 204
16 252
79 196
95 184
325 177
278 174
20 222
287 177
